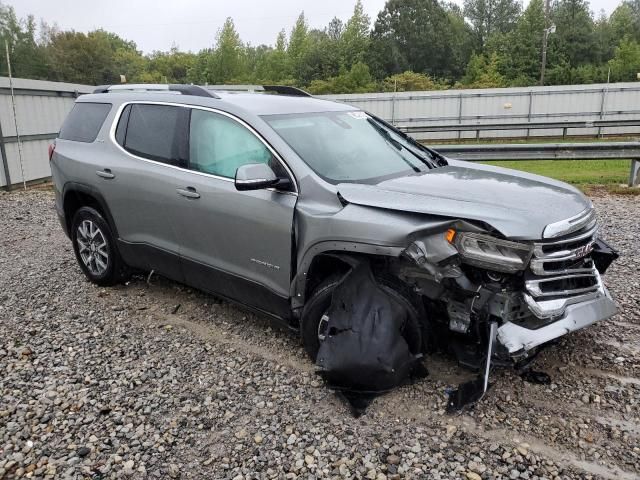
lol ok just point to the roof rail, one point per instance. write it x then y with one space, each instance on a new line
194 90
279 89
287 90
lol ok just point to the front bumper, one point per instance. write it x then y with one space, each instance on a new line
517 339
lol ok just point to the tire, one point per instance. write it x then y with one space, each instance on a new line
95 248
320 301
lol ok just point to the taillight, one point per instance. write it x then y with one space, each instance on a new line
52 147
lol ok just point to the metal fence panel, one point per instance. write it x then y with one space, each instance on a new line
42 106
517 105
40 110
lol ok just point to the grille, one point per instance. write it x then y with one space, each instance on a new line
562 272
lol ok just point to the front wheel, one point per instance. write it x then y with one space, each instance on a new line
95 248
314 318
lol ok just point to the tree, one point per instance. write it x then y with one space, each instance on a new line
482 72
625 65
322 58
574 39
273 66
411 82
357 80
228 59
491 16
298 45
414 35
171 66
83 58
225 63
27 57
623 23
354 40
519 52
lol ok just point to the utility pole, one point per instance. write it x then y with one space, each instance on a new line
545 36
15 118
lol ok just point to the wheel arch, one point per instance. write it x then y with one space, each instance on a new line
326 258
77 195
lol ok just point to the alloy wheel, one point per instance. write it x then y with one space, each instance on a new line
92 247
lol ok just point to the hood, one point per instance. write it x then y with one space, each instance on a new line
517 204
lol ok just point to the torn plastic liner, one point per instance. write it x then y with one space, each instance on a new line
365 350
469 393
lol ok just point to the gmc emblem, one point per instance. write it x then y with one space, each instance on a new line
583 251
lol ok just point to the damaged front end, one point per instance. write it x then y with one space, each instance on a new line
508 298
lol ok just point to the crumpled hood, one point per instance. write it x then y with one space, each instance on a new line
517 204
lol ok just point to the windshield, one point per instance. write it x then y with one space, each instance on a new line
348 146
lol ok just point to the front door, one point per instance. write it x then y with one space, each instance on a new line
237 244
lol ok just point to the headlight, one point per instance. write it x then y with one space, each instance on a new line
490 252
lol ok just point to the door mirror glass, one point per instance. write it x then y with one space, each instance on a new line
255 176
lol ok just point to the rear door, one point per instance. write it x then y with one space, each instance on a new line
139 184
234 243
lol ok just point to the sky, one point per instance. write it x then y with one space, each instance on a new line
192 24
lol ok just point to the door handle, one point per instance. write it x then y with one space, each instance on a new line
188 192
106 173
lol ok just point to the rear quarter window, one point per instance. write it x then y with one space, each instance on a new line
84 121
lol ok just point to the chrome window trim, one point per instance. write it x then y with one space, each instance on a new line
114 126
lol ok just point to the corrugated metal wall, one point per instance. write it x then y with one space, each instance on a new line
617 101
42 106
40 110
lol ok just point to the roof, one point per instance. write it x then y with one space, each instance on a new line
254 103
267 104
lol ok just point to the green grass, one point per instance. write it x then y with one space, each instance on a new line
576 172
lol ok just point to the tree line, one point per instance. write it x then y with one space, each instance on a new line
411 45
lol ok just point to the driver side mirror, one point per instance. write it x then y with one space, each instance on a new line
255 176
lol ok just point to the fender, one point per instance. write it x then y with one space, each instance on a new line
71 187
338 249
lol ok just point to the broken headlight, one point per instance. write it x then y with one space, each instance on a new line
492 253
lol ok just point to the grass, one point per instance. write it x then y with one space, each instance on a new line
576 172
591 176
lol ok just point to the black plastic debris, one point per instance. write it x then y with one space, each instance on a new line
468 393
603 255
365 352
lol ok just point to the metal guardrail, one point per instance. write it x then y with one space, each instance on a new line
479 127
549 151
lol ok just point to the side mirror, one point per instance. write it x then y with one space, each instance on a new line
255 176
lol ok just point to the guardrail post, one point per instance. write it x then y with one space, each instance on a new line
530 110
634 174
460 114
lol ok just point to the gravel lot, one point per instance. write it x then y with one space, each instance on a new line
158 380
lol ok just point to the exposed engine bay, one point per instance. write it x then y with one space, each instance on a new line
488 300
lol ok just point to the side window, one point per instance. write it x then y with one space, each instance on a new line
84 121
121 129
157 132
219 145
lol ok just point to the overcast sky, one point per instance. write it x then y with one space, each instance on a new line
192 24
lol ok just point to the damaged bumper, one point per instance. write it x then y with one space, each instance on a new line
517 339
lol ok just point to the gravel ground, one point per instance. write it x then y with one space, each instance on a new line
158 380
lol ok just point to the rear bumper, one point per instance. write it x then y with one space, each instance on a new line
517 339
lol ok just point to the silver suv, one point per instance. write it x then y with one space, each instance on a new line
270 197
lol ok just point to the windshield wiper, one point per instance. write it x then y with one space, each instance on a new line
431 157
393 142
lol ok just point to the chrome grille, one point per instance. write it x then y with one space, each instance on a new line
562 272
566 256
